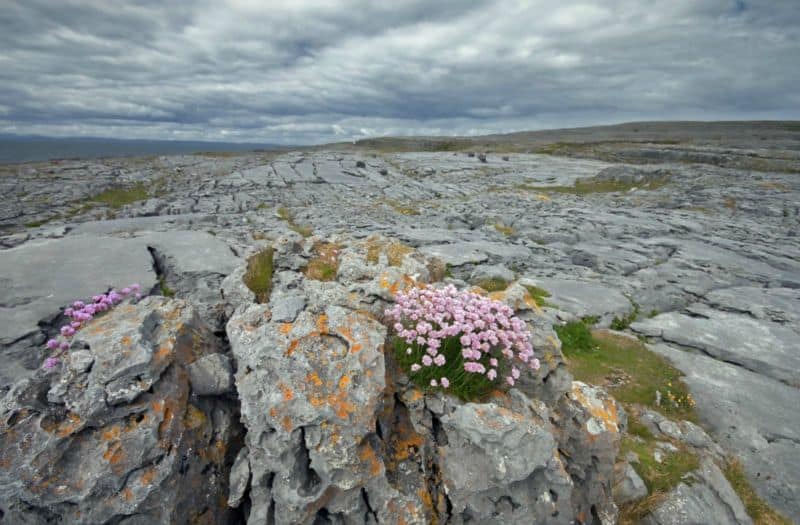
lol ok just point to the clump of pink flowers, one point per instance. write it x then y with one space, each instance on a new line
447 337
79 314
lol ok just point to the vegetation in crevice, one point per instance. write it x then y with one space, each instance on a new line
258 277
286 215
324 265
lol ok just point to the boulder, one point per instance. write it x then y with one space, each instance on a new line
116 433
336 433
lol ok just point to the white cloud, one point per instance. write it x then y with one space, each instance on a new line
313 71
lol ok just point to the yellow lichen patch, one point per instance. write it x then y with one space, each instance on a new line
542 197
416 395
603 412
285 328
367 455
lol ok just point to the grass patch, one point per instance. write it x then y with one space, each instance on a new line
166 291
631 373
286 215
594 185
493 285
508 231
258 276
40 222
119 197
325 264
757 508
539 295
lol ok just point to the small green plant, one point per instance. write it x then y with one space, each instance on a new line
166 291
621 323
258 277
652 313
325 264
539 295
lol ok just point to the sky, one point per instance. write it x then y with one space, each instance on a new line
315 71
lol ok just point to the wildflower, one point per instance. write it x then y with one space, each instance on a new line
415 367
434 383
52 344
491 374
408 350
440 360
51 362
426 360
444 382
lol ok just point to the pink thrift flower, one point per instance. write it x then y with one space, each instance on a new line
52 344
63 345
434 383
493 362
50 363
515 373
126 291
68 312
415 367
491 374
135 287
440 360
445 382
67 331
510 380
426 360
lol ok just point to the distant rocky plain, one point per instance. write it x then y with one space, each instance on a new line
202 405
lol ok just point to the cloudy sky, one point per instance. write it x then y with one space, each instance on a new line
307 71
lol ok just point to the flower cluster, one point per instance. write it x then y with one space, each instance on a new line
462 333
80 313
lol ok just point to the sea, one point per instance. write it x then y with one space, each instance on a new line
16 149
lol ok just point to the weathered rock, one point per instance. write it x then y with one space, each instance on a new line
493 271
706 498
211 375
122 437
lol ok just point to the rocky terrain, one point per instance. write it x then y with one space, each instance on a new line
684 235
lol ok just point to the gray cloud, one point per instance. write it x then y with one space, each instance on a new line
326 70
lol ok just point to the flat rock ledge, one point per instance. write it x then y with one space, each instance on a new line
336 434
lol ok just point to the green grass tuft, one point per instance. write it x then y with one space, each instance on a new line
594 185
119 197
539 295
258 276
493 285
286 215
621 323
166 291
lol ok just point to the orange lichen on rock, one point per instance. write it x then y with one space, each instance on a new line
287 424
288 395
603 411
322 324
313 377
367 455
292 347
71 424
285 328
344 382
